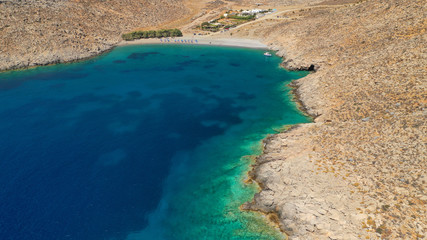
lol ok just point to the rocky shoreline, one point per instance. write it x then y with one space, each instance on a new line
358 171
52 60
293 192
302 205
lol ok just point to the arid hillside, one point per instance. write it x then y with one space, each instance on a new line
360 168
36 32
39 32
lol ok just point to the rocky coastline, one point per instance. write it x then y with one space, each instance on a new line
55 59
37 33
358 171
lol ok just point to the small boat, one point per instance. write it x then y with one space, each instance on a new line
267 54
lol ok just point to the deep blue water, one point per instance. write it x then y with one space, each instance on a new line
145 142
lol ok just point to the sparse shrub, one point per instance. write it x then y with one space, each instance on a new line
152 34
385 207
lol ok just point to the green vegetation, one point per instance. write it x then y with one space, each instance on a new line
230 26
152 34
247 18
226 22
209 27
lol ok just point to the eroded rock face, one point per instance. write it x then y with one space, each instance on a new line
38 32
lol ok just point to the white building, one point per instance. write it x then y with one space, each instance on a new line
253 11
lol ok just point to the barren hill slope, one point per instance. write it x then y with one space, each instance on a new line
360 169
36 32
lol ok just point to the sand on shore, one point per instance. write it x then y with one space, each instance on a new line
200 40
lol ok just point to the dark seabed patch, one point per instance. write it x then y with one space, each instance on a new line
200 91
141 56
135 94
119 61
10 84
188 63
209 66
169 69
246 96
178 56
57 86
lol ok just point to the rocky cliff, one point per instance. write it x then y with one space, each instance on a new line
38 32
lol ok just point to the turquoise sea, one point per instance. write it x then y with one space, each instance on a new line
144 142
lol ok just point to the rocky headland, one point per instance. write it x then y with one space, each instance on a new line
358 171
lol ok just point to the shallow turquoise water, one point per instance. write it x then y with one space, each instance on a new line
145 142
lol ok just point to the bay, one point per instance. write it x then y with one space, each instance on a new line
144 142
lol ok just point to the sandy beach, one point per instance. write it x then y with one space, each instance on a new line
200 40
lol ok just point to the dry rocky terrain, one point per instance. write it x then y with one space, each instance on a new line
359 170
38 32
